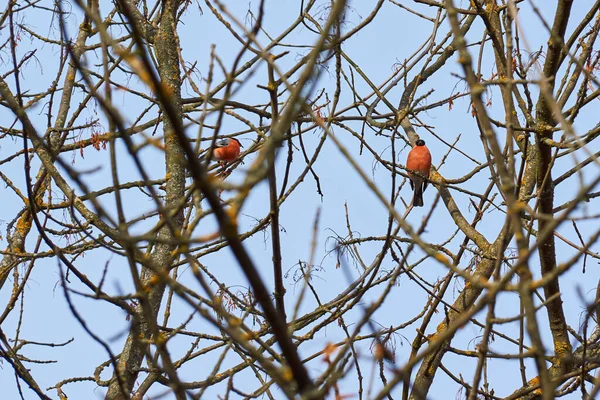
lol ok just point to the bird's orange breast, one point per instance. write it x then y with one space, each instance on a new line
228 153
419 159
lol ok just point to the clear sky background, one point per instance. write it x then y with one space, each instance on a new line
392 37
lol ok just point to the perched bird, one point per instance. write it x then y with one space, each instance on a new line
227 150
418 165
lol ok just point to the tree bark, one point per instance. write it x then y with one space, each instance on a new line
136 345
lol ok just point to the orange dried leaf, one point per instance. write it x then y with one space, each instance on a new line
379 351
329 349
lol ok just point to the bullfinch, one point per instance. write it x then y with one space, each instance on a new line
227 150
418 164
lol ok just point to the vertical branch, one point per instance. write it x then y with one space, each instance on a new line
482 350
274 213
545 123
161 257
536 340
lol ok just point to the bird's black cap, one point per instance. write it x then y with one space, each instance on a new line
420 142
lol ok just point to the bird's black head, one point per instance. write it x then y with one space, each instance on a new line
238 142
420 142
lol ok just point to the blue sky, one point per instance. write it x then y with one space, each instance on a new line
393 36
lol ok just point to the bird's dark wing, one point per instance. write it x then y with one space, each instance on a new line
222 143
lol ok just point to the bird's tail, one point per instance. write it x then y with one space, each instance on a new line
418 196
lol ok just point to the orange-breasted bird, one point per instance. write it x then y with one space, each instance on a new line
418 164
227 150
